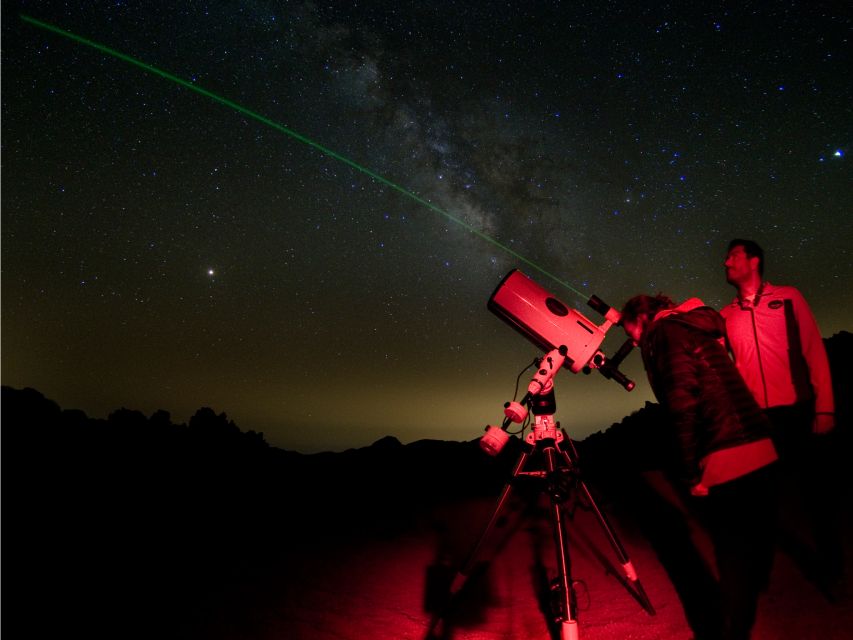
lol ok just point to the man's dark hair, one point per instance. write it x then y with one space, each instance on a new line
643 305
752 250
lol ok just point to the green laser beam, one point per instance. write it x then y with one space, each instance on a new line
293 134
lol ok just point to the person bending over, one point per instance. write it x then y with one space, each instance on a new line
721 442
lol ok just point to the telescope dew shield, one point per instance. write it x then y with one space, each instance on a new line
545 320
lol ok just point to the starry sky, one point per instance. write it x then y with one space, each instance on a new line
163 250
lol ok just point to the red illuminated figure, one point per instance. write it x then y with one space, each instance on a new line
724 454
779 351
775 339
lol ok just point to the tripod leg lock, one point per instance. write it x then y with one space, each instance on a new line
569 630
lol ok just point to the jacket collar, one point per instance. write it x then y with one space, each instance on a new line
743 303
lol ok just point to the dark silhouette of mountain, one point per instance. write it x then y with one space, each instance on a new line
136 517
114 518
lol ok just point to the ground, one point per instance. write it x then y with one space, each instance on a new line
354 587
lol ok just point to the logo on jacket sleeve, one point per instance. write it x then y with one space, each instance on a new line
775 304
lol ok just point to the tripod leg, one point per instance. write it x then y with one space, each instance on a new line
463 573
568 618
618 549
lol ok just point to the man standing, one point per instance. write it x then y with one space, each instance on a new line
779 351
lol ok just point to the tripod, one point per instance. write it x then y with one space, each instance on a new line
560 476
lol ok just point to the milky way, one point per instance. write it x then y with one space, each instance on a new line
160 250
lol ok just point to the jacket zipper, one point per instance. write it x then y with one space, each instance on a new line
758 353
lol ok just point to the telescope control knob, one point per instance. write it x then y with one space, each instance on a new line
515 411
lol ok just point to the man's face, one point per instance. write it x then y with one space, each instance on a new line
739 266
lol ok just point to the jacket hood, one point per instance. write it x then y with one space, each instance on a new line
694 313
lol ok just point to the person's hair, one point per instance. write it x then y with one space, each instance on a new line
643 305
752 250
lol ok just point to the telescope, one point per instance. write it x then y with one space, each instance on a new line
550 324
571 340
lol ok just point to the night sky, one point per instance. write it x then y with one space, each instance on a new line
161 250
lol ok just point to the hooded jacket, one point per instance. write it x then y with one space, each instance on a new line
712 412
